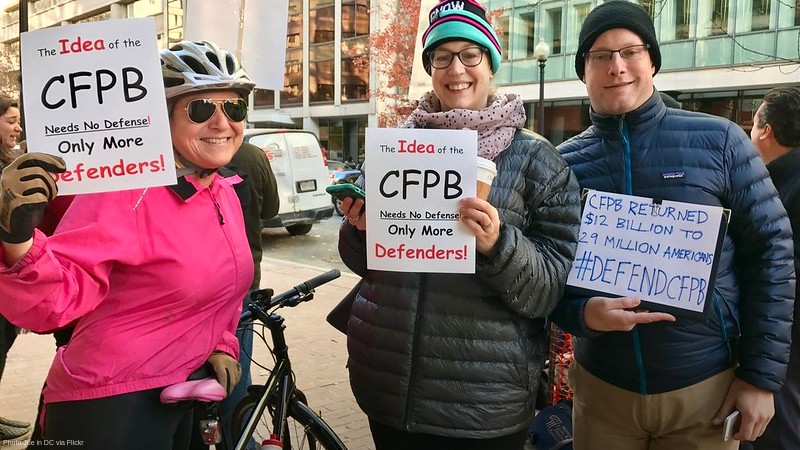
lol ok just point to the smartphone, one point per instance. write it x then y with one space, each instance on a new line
344 190
727 426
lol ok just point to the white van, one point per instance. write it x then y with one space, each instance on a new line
300 171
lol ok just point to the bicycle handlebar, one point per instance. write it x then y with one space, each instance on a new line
292 297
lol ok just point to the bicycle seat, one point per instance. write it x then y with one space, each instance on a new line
205 390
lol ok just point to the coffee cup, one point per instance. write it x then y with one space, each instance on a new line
486 173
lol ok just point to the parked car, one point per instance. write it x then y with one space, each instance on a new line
299 167
339 173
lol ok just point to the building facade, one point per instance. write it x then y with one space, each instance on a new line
718 56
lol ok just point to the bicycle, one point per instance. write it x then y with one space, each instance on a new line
279 403
291 421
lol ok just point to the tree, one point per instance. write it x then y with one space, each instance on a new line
391 51
9 70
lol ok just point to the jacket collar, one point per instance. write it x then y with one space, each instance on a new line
785 167
642 118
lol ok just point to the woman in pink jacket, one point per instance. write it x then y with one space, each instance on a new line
156 275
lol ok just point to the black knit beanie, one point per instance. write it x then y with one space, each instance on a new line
616 14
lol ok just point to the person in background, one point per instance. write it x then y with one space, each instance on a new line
10 129
776 135
452 361
156 275
260 201
644 380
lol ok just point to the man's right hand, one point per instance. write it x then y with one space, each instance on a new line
618 314
26 187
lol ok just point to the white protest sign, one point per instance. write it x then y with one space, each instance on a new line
663 252
414 180
95 97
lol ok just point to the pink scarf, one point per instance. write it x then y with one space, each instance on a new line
495 124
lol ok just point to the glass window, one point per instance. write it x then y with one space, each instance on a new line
355 69
797 13
294 27
527 32
355 18
263 98
575 20
760 17
553 27
648 5
292 93
719 18
314 4
320 73
143 8
502 24
683 16
321 28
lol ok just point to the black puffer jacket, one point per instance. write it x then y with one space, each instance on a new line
459 354
691 157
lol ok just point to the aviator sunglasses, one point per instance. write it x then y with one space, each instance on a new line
202 109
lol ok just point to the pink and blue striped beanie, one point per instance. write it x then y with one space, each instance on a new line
453 20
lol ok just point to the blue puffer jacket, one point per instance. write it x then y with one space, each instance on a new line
697 158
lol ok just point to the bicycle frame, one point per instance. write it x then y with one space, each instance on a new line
280 379
280 394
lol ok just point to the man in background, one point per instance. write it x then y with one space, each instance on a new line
259 202
776 135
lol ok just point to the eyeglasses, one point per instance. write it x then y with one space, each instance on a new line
202 109
603 57
469 57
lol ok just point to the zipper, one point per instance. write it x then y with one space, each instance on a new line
626 162
414 343
216 207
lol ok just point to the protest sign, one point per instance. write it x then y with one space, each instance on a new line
663 252
95 97
414 180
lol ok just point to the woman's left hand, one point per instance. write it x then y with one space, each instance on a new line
484 221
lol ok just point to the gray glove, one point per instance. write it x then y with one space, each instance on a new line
26 187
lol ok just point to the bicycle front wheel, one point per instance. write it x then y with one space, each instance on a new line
304 429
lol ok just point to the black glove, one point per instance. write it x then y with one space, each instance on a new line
26 187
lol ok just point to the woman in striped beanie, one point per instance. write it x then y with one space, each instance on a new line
452 361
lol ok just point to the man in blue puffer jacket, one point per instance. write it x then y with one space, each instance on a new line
644 380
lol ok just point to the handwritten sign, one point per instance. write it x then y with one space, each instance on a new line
414 180
95 97
664 253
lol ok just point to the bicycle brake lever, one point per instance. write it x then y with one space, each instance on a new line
299 299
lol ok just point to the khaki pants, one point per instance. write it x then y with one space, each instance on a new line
606 417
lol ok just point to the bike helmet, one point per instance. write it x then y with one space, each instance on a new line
201 66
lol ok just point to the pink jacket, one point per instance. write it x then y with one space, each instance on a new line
158 286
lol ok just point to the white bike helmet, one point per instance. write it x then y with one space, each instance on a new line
201 66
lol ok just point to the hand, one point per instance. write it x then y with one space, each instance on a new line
484 222
618 314
354 210
228 370
755 405
26 187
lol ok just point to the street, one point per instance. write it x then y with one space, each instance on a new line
317 248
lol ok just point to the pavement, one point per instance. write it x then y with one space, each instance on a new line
317 350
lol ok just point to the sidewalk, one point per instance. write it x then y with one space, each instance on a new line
317 350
